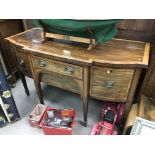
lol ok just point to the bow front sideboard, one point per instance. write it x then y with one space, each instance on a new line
109 72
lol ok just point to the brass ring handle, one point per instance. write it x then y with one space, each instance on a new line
69 70
21 62
108 84
42 63
109 72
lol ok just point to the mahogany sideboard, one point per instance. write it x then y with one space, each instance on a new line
109 72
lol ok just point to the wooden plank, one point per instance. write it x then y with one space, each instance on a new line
141 107
148 85
131 117
136 35
133 87
137 25
69 38
146 53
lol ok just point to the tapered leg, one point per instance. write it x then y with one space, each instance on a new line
36 78
85 94
20 64
85 110
38 88
133 87
22 76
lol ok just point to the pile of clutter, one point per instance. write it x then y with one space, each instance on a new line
52 121
61 122
57 118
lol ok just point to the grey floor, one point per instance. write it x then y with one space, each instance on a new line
56 98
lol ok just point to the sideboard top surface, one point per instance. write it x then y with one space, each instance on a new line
114 52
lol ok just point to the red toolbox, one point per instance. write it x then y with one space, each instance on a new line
111 114
52 130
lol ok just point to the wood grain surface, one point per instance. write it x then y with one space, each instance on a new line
108 72
58 67
119 83
131 117
62 81
148 85
117 51
133 86
147 108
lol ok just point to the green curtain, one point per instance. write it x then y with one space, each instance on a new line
102 30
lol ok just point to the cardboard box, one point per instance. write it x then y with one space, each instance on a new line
36 116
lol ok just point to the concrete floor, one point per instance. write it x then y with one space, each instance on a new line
54 97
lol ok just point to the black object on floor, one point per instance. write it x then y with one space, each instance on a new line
7 104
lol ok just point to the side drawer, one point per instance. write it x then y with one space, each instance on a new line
110 84
58 67
23 62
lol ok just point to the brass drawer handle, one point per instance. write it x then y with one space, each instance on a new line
108 84
42 63
69 70
21 62
109 72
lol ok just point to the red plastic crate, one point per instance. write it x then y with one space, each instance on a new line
59 131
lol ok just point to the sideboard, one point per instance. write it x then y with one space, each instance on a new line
109 72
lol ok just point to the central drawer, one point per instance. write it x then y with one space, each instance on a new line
58 67
110 84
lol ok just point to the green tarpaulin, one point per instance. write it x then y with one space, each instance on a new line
102 30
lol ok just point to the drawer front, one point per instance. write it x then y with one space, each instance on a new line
23 62
64 82
58 67
110 84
